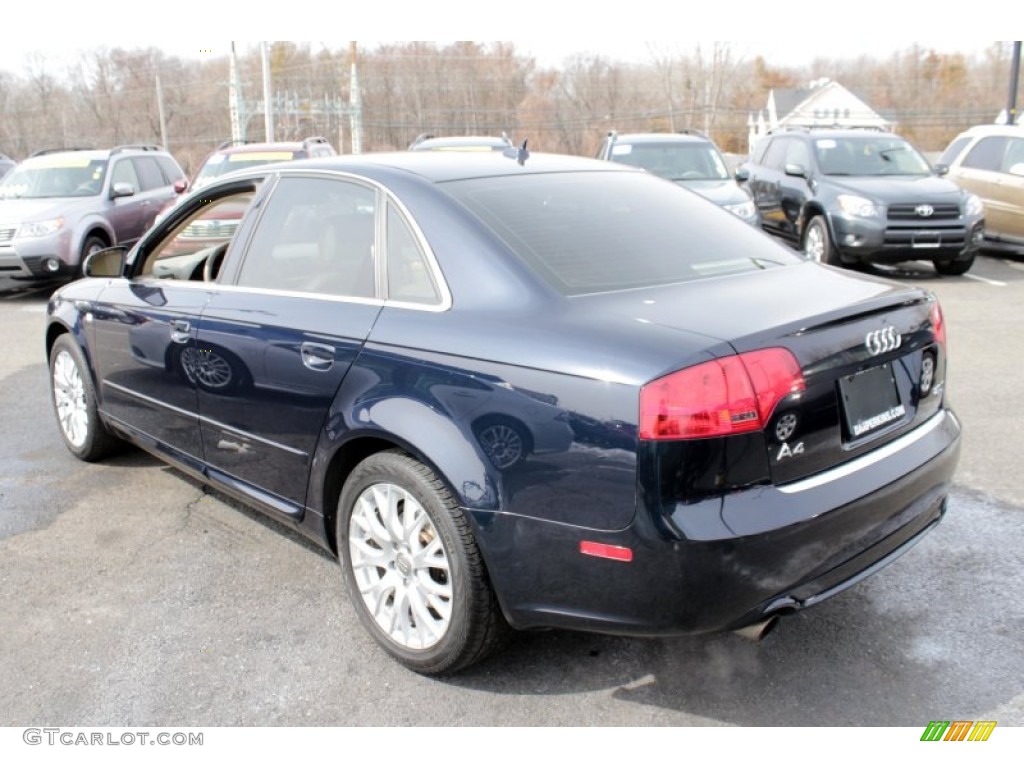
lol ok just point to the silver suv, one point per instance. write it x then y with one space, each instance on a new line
58 206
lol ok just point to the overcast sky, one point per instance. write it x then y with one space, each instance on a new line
549 31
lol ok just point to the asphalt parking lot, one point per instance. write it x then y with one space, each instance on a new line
134 595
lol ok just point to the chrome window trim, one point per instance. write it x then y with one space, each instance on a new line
383 195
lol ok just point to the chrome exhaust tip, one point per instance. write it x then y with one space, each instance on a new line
756 632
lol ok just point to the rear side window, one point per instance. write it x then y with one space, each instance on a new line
593 232
149 173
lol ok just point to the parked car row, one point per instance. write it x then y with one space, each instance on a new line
843 197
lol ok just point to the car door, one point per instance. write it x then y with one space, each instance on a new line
766 184
144 330
127 213
278 336
994 170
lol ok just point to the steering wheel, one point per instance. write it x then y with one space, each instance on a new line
212 264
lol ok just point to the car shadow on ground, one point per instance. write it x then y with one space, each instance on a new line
929 637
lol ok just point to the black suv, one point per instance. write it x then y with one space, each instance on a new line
59 206
856 196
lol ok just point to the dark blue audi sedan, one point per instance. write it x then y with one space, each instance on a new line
555 392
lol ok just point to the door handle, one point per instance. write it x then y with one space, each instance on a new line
317 357
181 331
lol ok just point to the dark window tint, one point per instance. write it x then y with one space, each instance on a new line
591 232
409 277
149 173
315 235
987 154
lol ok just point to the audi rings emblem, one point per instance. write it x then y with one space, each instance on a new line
924 211
885 340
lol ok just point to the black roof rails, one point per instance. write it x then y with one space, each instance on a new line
692 132
54 150
315 140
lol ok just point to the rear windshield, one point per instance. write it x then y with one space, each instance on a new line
607 231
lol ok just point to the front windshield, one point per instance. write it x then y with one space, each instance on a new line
55 176
692 161
221 163
869 156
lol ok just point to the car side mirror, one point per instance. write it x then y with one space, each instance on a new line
941 169
794 169
122 189
106 263
180 186
741 175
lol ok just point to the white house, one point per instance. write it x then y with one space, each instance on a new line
825 104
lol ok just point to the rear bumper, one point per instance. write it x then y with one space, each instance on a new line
775 550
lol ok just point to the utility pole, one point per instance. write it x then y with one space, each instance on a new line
268 111
160 112
1011 102
355 104
234 96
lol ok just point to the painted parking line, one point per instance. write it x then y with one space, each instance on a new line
988 280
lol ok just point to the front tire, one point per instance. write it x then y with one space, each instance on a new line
954 268
74 403
93 244
818 243
413 570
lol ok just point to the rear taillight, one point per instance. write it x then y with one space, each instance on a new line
726 396
938 325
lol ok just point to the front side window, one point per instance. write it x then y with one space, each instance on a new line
315 236
953 150
124 173
196 246
987 154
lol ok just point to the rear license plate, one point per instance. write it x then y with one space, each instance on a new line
870 400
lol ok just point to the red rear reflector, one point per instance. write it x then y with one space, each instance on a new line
607 551
938 324
726 396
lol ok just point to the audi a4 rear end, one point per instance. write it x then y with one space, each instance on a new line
521 391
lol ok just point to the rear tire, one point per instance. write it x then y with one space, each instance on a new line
412 567
74 403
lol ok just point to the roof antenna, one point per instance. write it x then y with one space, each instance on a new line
518 154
